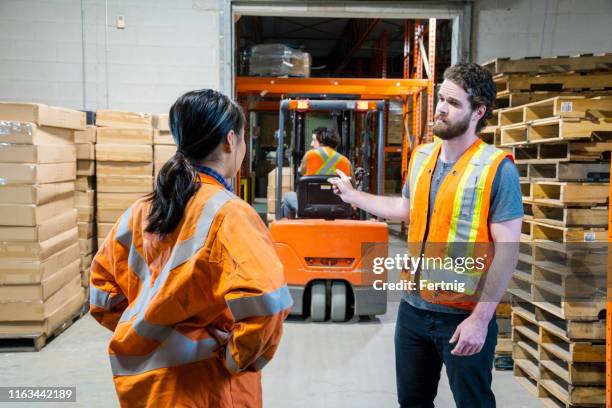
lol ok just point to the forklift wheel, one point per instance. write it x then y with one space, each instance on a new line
338 302
317 302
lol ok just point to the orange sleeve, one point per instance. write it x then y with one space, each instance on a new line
106 298
254 289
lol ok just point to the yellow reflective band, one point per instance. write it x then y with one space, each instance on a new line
479 194
452 233
413 188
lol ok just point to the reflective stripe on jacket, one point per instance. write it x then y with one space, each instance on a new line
218 269
460 216
325 160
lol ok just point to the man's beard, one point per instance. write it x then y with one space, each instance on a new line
448 131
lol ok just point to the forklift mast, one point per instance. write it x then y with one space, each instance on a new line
300 107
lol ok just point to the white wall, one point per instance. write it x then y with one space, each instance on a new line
171 46
523 28
167 48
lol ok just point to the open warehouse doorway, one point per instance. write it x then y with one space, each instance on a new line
329 43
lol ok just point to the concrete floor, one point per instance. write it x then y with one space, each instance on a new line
317 365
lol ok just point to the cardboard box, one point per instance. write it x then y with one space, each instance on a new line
85 168
43 115
29 133
85 136
116 118
22 153
123 169
86 260
85 183
86 230
124 152
117 201
70 308
162 122
38 250
35 193
37 310
45 230
84 198
86 245
26 272
161 154
104 228
43 290
85 151
85 213
85 277
15 173
163 138
287 178
32 214
125 184
272 198
113 135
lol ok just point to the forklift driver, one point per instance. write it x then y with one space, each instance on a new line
322 159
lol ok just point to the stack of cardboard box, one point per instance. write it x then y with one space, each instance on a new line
124 163
40 281
163 143
85 197
287 185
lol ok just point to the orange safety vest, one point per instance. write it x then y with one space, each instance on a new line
161 298
325 160
459 220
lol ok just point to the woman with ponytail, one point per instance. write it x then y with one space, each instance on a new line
188 279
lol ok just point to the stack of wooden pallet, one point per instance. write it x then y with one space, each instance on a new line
561 146
527 80
124 163
40 280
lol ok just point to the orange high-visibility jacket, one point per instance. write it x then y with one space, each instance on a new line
161 298
325 160
460 215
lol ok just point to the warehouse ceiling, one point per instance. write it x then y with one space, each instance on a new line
338 46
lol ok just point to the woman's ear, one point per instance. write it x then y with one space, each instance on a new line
230 142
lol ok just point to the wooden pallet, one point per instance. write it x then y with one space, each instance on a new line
562 129
571 83
570 329
594 150
568 394
592 260
575 107
565 193
570 217
526 191
14 342
560 171
549 400
566 235
579 63
513 135
527 231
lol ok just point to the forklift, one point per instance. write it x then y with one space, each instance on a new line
326 251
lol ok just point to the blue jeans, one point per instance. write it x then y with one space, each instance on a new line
421 347
290 204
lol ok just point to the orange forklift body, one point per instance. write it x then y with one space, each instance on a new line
316 249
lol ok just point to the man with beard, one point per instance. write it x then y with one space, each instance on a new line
458 190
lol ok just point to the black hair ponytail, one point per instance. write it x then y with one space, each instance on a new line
199 121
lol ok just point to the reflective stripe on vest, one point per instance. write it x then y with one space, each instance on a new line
176 348
420 157
329 162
